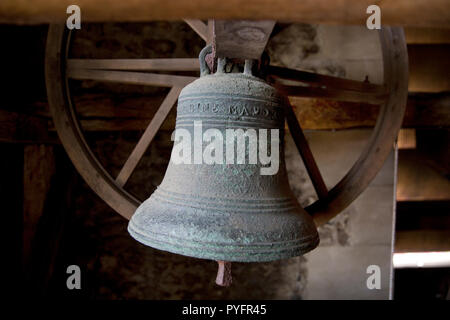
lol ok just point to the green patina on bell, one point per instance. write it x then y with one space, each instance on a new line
228 212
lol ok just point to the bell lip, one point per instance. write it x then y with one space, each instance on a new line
233 253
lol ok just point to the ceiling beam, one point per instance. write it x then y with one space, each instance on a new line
430 13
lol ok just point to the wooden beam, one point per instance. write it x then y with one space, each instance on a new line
394 12
38 170
331 94
319 114
320 80
423 111
105 106
138 78
422 240
199 27
56 211
181 64
112 125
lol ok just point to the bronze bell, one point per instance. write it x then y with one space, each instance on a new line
222 210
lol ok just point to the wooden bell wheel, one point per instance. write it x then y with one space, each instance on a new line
391 96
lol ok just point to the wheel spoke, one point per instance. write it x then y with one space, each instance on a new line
148 136
139 78
328 87
319 80
330 94
180 64
199 27
306 154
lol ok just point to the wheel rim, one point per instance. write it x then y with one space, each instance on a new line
338 198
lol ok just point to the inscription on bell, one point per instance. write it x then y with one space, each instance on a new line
236 109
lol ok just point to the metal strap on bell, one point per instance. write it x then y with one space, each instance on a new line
223 211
